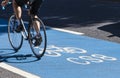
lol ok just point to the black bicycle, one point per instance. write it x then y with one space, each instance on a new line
28 33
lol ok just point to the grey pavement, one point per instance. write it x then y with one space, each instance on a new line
7 74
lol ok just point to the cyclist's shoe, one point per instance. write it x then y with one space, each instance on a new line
38 40
19 28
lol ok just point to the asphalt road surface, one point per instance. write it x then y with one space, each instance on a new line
95 18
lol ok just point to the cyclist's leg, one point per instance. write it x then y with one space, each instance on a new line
17 4
36 25
17 10
34 11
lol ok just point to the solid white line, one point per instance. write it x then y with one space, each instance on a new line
17 71
64 30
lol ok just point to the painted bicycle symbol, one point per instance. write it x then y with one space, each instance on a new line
55 51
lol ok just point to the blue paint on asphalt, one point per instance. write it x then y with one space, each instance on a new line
73 56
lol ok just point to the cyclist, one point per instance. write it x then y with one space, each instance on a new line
35 5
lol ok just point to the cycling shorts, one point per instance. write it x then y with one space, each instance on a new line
34 6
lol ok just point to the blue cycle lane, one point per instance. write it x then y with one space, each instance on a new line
67 56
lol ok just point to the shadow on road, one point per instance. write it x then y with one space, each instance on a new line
114 29
10 56
78 13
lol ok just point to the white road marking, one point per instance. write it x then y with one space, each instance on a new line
17 71
64 30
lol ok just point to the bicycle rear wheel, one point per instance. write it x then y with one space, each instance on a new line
15 39
39 50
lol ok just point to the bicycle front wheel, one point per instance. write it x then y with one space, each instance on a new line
15 39
40 49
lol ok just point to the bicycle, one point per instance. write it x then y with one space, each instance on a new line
28 33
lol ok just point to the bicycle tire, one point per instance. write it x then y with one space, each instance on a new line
40 50
15 39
